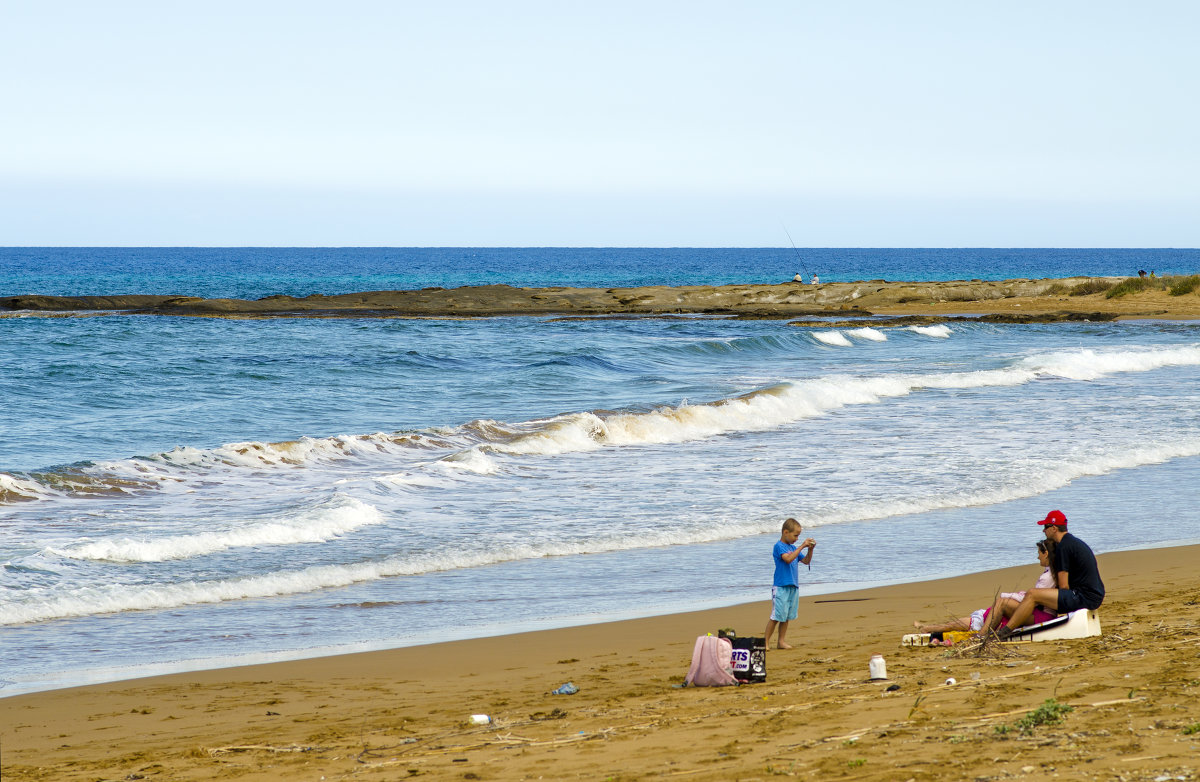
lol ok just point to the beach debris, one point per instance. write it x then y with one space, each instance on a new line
566 689
878 667
892 688
951 681
215 751
480 719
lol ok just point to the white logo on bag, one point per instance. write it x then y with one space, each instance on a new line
741 659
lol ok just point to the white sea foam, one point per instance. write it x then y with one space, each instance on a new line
112 597
940 330
1092 364
409 479
471 460
831 338
868 333
318 525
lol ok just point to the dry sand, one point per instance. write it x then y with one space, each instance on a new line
405 713
1008 297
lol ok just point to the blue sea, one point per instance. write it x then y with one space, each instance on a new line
185 493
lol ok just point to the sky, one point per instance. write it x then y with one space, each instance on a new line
559 123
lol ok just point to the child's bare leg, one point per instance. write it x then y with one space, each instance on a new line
771 623
1003 608
783 626
962 623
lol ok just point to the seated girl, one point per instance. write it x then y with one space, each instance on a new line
1007 602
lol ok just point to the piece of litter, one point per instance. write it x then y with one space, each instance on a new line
951 680
567 689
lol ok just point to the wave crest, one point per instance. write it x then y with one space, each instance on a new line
318 525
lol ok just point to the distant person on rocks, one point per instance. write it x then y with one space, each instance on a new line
1142 273
785 589
798 278
1079 584
815 279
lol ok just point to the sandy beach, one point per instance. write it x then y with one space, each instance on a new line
1008 300
406 712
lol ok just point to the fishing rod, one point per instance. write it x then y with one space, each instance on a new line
803 265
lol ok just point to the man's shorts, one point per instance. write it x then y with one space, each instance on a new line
785 603
1069 600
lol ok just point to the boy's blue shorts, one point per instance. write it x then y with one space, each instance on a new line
785 603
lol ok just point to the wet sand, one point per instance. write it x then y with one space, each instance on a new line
1013 299
1134 694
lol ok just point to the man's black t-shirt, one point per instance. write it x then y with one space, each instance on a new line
1083 576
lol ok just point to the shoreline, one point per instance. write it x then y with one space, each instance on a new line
824 592
1046 300
405 711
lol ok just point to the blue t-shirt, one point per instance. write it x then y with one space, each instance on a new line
786 573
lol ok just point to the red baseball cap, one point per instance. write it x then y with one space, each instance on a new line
1054 517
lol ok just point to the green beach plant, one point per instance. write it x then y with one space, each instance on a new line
1133 285
1183 285
1051 712
1089 287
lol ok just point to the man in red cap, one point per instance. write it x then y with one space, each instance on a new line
1079 584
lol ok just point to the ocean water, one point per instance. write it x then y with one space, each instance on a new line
178 493
254 272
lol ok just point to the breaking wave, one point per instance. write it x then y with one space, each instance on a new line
868 333
318 525
469 449
832 338
119 597
940 331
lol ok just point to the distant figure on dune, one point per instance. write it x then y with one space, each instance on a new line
1142 273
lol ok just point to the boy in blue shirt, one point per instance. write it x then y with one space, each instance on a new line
785 589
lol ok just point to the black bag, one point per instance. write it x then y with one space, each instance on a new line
749 659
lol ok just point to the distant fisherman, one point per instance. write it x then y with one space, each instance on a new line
798 278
